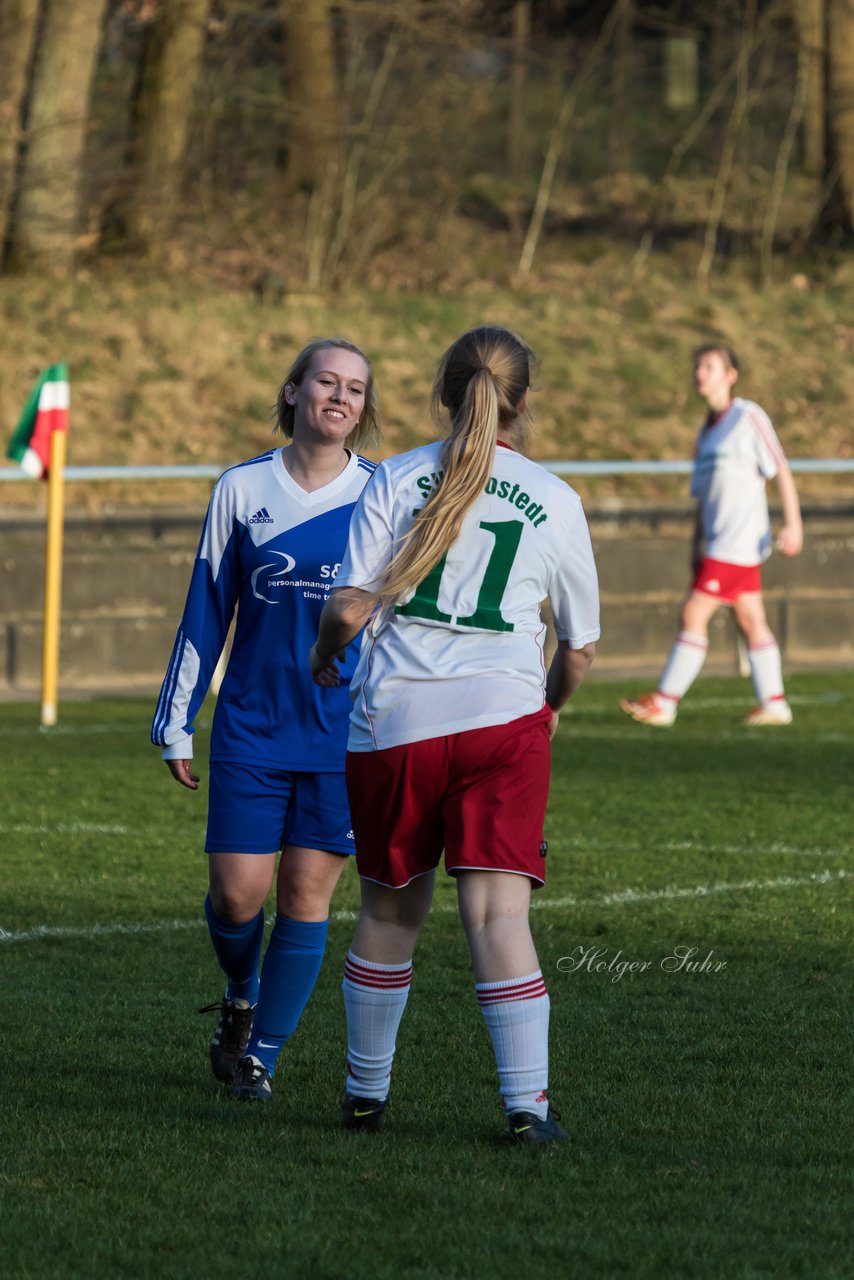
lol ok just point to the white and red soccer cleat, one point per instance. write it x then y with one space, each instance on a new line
650 708
776 712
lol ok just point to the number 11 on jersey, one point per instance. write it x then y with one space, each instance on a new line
487 612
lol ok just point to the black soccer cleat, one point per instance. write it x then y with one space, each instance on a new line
231 1036
365 1114
525 1127
252 1081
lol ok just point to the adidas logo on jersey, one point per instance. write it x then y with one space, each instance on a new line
261 517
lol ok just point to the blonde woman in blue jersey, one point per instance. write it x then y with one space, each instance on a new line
452 548
272 543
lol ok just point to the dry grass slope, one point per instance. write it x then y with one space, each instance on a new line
185 369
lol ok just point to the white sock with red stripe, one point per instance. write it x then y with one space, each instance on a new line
766 671
682 667
516 1012
374 997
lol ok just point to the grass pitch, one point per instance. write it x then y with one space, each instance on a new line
707 1105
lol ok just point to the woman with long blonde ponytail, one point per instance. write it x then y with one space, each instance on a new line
484 387
452 548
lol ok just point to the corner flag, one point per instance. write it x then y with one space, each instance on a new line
45 412
38 444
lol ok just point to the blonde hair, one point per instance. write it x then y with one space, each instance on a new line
479 386
367 431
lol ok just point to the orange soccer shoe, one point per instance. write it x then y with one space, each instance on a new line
650 708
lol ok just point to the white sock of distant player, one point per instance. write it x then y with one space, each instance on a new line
516 1013
374 997
766 671
683 666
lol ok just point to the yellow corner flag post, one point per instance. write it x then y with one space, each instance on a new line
38 446
53 577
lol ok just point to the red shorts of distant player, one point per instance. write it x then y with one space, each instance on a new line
481 795
727 581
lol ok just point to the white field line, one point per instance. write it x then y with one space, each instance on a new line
758 851
776 850
61 828
622 897
631 896
72 730
97 930
601 730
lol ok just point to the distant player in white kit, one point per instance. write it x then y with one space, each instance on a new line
453 711
737 451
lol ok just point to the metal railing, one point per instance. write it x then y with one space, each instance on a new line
617 467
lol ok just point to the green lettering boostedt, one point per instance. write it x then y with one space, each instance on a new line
522 501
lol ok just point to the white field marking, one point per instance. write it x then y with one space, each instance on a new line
71 730
61 828
621 898
760 851
687 729
672 892
98 930
582 845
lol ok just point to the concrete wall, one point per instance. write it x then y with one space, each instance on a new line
643 557
126 577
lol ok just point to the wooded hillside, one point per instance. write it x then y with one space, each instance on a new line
311 137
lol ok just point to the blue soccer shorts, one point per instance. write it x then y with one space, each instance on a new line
253 809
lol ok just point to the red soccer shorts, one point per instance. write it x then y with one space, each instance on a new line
727 581
481 795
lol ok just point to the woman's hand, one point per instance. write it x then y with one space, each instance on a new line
790 539
324 671
180 770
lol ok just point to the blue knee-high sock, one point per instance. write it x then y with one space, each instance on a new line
290 969
238 950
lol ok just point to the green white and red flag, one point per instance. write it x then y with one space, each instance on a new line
46 411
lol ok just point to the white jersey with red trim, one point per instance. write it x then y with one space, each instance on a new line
735 454
465 649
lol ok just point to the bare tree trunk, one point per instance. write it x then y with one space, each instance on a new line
841 105
48 189
742 86
18 20
737 67
516 134
311 92
621 76
349 185
781 168
557 140
720 49
811 18
161 120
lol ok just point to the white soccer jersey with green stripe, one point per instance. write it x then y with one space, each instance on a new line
465 650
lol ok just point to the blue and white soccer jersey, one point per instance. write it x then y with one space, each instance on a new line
273 551
734 456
